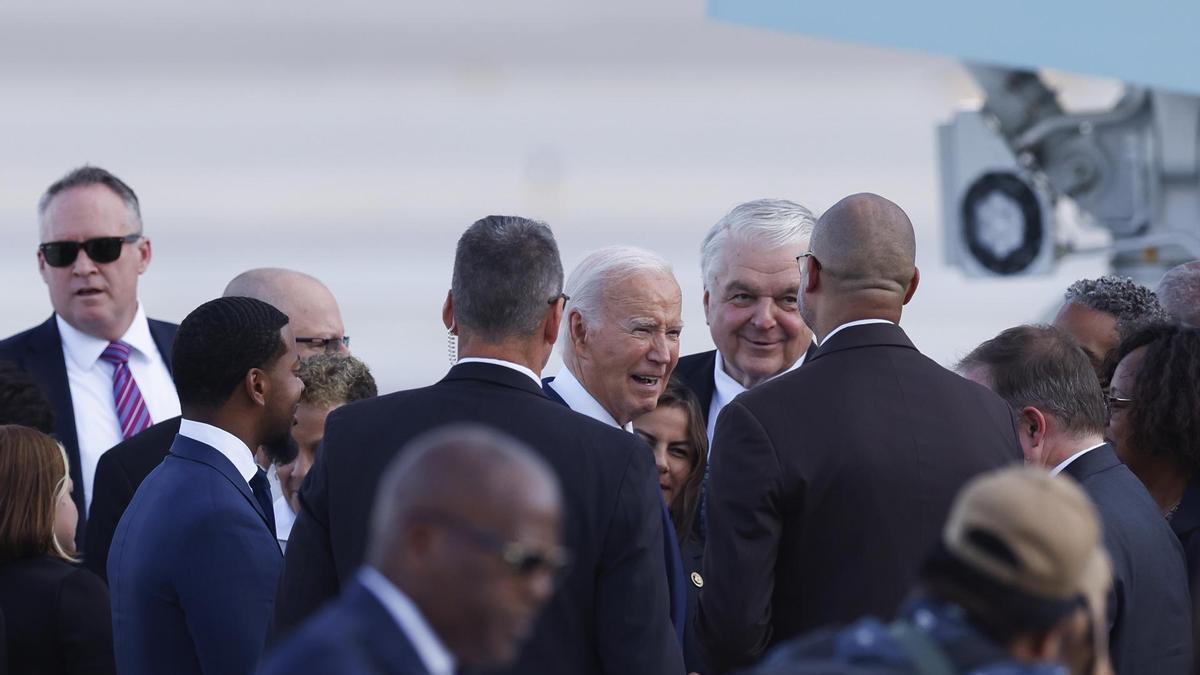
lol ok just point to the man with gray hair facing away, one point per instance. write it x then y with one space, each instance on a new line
1052 389
464 551
1179 293
505 305
751 302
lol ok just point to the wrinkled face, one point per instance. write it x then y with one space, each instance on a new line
282 399
665 430
66 516
753 311
99 299
1096 332
627 355
1118 419
308 432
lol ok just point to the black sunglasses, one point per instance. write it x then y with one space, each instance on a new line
521 559
100 250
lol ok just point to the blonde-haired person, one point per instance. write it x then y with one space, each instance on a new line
57 614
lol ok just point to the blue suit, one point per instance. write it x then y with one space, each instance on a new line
676 585
38 351
193 569
353 635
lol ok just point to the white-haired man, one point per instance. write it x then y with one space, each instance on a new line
621 327
751 286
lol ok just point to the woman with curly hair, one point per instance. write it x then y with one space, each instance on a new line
1154 421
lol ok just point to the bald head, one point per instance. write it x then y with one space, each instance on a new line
312 310
1179 293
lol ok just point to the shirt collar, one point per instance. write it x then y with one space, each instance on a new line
578 399
860 322
507 364
728 388
437 659
226 443
1067 462
84 350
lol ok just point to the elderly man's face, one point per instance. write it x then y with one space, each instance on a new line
99 299
627 354
1096 332
753 312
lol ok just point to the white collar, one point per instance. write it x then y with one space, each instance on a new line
84 350
860 322
507 364
437 659
1067 462
728 388
578 399
226 443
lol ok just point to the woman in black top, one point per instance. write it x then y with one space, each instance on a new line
57 616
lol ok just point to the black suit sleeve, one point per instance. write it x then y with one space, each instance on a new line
633 621
309 575
111 493
733 621
84 621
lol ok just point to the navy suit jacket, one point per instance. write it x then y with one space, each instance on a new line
676 586
1149 608
38 351
353 635
193 569
609 615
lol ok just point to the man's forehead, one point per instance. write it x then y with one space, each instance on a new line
93 210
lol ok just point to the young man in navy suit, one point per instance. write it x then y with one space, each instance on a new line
465 548
101 363
194 563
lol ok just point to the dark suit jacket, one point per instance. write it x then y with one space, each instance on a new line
193 569
1149 609
39 352
610 613
692 552
118 474
676 584
832 485
1186 525
696 371
58 618
353 635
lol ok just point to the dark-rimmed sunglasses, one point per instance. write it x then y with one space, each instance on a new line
100 250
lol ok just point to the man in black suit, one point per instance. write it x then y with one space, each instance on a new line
505 305
1051 386
316 320
751 302
102 364
832 483
464 550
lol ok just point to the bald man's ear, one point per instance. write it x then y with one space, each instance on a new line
448 313
912 285
812 275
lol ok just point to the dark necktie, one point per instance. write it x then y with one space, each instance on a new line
262 492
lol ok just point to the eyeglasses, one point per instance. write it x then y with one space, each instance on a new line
521 559
1117 402
100 250
330 345
561 296
810 254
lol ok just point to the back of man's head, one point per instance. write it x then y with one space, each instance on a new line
866 242
22 402
1042 367
506 271
1179 293
218 343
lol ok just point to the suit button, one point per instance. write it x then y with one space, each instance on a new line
697 580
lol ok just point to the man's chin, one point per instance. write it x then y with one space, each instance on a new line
283 450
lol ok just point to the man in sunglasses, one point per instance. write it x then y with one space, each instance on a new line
464 549
103 364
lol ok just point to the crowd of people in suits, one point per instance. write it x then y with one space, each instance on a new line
232 494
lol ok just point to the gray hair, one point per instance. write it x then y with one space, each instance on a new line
771 222
94 175
1179 293
590 279
1132 305
1042 367
506 270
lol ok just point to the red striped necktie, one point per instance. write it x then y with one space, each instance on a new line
131 409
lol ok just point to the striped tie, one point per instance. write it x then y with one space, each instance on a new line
131 409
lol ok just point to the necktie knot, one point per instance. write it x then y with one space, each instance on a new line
116 353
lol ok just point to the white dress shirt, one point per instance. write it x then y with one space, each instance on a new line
507 364
225 443
284 519
437 659
578 399
860 322
727 389
1067 462
91 383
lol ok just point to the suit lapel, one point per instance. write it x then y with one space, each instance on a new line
386 641
163 334
48 365
194 450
